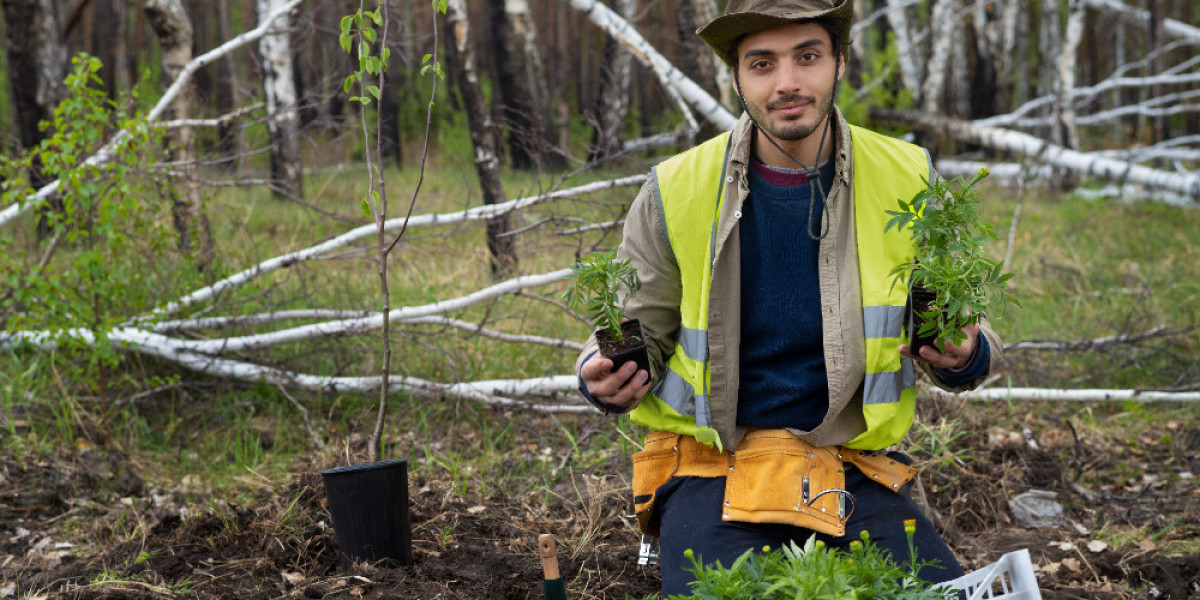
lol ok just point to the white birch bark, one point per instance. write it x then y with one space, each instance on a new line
907 52
613 25
283 121
328 314
1093 395
105 153
1101 167
942 30
350 237
1066 72
1171 27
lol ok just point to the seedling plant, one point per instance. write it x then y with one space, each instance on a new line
600 287
949 238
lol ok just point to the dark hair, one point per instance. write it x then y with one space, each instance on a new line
826 24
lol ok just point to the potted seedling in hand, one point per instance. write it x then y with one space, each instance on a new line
951 283
600 287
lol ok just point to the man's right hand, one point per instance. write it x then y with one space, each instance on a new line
623 387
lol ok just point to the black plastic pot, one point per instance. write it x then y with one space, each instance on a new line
919 300
369 506
632 346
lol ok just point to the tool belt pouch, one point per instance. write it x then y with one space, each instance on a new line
778 478
653 466
772 477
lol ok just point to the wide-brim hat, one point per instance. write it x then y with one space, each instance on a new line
748 16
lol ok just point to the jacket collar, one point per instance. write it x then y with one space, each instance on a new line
739 155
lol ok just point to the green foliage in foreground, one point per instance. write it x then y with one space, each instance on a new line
812 572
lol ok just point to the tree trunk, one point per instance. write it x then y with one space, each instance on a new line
1063 113
697 60
984 77
36 68
282 120
942 31
389 113
1157 40
907 53
229 140
175 36
612 105
461 56
522 87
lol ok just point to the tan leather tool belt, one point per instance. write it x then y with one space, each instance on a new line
771 477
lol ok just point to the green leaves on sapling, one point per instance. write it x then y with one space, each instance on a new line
812 571
943 221
600 287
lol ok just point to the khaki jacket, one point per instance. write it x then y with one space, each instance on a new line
657 303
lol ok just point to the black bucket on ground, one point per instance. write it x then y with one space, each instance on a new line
369 505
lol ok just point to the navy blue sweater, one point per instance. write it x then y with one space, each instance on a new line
783 378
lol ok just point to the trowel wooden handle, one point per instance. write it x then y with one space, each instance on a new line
549 556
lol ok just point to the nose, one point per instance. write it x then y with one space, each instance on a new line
788 81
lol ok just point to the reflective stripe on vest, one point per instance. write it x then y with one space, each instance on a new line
885 170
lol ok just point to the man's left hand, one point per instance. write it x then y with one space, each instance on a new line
955 357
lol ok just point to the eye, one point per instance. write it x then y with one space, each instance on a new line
809 57
759 65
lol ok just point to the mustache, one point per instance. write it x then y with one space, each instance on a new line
793 99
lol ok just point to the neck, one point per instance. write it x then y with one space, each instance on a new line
809 151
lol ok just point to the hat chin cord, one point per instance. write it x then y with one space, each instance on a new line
813 174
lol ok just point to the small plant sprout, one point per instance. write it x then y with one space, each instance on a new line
600 287
864 570
948 237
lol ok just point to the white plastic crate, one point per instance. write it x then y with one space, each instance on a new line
1010 578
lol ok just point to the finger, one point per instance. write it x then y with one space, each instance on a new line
635 388
595 368
609 384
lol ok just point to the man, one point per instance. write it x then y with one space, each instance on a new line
774 330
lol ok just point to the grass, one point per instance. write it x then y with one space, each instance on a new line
1084 269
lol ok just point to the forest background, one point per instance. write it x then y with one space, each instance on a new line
196 224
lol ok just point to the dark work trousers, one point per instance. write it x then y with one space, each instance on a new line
690 508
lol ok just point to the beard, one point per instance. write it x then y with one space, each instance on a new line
792 129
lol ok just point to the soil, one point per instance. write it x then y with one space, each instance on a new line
631 346
83 524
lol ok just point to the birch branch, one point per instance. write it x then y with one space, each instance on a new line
1085 94
215 121
1028 145
1092 344
359 325
489 391
1140 17
1085 395
348 238
108 150
612 24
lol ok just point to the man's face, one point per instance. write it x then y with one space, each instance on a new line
786 76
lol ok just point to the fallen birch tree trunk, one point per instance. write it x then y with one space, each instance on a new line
1024 144
493 392
672 78
477 213
1093 395
106 152
329 314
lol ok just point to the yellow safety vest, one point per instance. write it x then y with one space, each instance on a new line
886 169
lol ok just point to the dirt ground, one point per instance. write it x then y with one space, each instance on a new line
84 524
